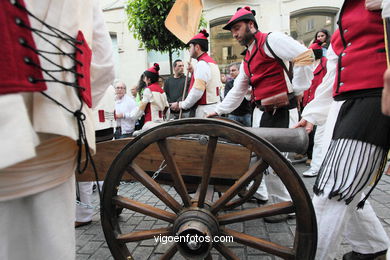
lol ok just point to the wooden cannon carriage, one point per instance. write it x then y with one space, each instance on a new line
198 157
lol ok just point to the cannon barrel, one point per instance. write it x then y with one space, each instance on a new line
284 139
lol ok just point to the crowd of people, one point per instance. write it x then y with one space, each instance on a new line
280 83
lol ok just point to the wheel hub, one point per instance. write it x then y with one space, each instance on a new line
195 228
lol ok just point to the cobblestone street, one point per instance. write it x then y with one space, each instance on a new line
91 242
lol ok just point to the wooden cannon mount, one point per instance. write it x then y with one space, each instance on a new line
203 156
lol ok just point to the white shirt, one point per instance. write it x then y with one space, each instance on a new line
317 110
386 8
25 115
202 71
286 48
125 106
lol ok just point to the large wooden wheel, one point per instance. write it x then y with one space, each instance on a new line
190 214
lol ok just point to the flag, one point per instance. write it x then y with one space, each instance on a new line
183 19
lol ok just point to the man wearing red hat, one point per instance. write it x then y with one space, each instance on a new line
263 68
154 102
205 81
357 135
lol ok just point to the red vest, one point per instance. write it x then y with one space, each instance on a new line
319 74
154 87
205 57
16 75
265 73
359 43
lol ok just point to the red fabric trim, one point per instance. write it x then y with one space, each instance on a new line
15 72
101 116
206 58
319 74
156 87
84 56
148 113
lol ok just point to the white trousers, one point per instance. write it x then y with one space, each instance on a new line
84 212
361 228
277 192
318 156
40 226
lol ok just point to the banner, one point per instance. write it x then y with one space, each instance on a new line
183 19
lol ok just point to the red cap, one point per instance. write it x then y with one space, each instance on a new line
201 36
316 45
154 69
242 14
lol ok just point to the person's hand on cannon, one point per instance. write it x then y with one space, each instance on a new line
211 115
175 106
307 125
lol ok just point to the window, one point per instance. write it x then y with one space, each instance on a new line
310 25
304 25
115 51
224 49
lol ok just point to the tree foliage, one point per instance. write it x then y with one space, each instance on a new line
146 21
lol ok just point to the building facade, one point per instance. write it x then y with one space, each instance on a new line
298 18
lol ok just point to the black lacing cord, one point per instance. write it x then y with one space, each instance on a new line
54 79
60 34
82 141
25 44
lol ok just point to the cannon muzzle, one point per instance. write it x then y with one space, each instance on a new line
284 139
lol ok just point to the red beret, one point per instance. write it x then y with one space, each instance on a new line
242 14
201 36
154 69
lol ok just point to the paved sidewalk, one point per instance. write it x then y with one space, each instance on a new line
90 242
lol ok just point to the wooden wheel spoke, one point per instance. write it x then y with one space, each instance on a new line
260 244
225 251
143 235
212 145
258 167
247 194
169 253
144 209
154 187
176 176
254 213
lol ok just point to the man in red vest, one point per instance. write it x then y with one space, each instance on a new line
273 92
205 81
357 135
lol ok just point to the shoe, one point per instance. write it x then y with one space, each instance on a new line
358 256
298 156
260 198
308 162
78 224
310 173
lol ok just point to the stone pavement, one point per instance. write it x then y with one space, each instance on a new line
90 241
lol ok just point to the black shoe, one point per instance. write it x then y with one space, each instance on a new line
358 256
259 199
